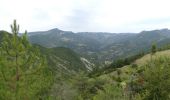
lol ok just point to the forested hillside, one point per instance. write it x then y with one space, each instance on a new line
61 58
33 72
143 79
101 47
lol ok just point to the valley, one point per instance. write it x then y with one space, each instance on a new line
84 50
62 65
100 47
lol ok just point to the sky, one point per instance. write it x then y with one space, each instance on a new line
115 16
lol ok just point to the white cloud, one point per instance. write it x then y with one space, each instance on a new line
86 15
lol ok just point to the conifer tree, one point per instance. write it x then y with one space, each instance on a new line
21 67
153 49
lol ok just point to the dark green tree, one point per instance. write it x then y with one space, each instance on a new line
153 49
21 67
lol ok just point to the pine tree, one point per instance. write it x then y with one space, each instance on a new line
153 49
21 67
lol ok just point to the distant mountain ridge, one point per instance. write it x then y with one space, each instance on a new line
60 59
101 46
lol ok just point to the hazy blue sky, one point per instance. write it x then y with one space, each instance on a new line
86 15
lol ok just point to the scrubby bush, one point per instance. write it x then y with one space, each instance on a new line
157 79
110 92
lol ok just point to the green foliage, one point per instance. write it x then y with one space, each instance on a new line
60 57
118 74
153 49
110 92
87 87
77 87
24 74
157 79
133 65
116 64
23 71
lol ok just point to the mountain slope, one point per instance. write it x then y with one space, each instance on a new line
63 58
128 70
140 42
100 47
59 58
87 44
